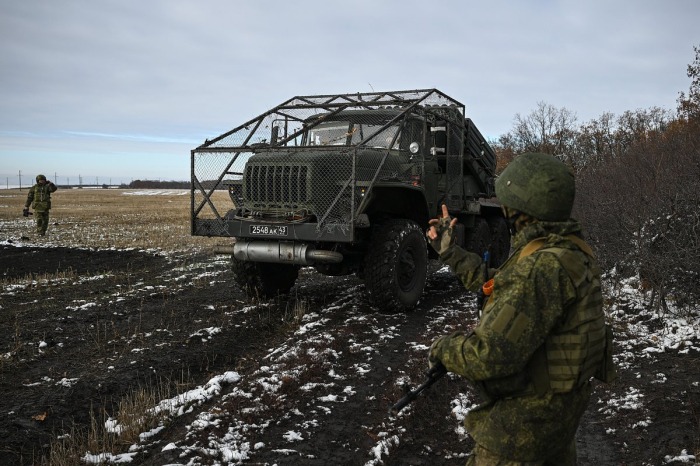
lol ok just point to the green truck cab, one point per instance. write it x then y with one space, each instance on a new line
346 184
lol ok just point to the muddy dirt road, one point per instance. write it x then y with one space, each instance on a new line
310 376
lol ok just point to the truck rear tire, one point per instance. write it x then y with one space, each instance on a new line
396 265
479 237
500 240
262 279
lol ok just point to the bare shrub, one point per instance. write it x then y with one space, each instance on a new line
642 211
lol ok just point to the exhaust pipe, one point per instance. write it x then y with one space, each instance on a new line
225 250
279 252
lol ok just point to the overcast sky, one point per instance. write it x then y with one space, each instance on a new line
124 89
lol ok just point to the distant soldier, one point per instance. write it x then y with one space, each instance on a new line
39 198
542 334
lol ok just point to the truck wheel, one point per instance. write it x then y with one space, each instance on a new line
479 237
500 240
396 265
264 280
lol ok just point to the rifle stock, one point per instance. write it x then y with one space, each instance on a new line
432 376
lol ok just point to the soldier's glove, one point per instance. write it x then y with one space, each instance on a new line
434 353
25 212
440 234
441 347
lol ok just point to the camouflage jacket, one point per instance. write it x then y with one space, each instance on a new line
39 196
530 302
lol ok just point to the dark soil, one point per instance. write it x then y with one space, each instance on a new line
138 325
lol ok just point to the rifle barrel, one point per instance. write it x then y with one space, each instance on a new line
433 375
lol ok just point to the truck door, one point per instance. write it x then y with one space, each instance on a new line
446 147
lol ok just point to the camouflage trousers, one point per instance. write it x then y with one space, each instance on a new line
480 456
42 221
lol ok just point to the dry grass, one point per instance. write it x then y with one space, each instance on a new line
39 279
135 415
109 218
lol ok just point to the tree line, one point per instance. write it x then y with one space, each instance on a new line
638 186
156 184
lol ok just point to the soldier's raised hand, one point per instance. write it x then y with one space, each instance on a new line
440 233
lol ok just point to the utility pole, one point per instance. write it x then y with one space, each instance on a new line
20 180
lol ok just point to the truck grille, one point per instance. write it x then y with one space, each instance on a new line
283 184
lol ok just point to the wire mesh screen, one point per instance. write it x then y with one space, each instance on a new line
316 158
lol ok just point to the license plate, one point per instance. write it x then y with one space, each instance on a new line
269 230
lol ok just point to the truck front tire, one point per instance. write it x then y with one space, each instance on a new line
396 265
262 279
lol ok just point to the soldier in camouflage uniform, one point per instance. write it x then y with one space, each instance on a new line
39 197
542 334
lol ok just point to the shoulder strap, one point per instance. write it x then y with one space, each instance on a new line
532 247
583 246
537 244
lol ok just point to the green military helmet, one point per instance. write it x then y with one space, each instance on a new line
539 185
40 177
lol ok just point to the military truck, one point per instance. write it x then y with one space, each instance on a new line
346 184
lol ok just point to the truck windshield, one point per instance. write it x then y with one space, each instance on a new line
342 133
332 133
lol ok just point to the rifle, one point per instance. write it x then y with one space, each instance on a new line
480 295
432 376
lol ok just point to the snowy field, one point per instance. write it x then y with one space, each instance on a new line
315 387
